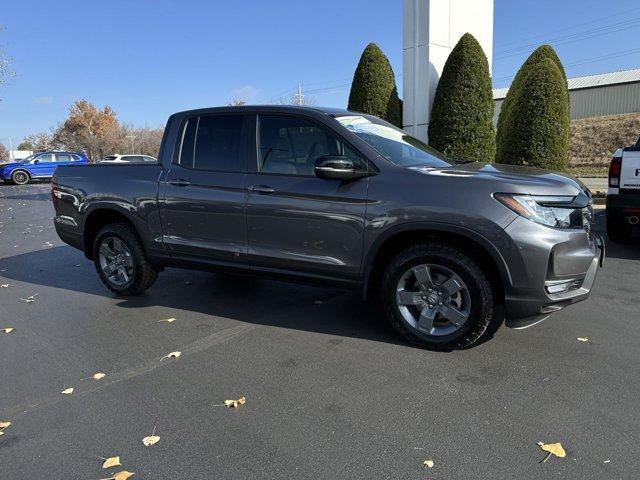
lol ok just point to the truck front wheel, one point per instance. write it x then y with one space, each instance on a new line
120 260
438 296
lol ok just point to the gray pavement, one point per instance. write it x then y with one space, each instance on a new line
331 391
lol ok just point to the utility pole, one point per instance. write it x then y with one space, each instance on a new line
132 138
298 97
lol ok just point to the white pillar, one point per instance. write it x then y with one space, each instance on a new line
431 30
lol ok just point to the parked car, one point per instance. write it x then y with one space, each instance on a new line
128 159
623 195
335 196
39 165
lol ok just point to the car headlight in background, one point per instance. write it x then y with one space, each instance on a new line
546 210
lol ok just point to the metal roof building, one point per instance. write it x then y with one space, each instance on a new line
595 95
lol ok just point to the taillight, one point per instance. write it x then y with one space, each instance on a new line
614 172
54 198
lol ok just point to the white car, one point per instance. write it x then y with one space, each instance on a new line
129 159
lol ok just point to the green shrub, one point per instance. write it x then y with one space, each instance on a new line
536 130
461 122
540 53
373 90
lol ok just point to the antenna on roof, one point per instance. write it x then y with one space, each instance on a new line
298 97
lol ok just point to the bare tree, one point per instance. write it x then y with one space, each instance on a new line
4 153
38 142
237 103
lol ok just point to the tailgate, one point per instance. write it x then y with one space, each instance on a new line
630 171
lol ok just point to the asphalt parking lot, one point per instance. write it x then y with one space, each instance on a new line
331 391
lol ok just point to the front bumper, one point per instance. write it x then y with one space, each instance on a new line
550 269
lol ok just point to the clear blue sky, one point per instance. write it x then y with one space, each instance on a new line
147 59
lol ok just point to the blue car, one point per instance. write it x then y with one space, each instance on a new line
39 165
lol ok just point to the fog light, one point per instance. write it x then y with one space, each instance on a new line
564 286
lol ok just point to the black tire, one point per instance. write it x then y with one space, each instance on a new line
483 318
20 177
618 230
144 273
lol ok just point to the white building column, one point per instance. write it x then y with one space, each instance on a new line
431 30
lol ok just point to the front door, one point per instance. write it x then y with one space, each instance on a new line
203 206
297 222
43 165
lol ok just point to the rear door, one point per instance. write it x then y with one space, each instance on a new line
299 223
62 159
203 207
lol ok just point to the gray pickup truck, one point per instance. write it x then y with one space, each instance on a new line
448 248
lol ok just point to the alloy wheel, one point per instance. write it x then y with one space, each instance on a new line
433 299
116 261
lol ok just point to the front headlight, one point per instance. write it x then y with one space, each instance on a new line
546 210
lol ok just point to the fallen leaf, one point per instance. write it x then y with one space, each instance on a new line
30 299
235 403
150 440
111 462
123 475
553 449
99 376
167 320
4 425
172 355
583 339
8 330
428 463
607 461
5 285
67 391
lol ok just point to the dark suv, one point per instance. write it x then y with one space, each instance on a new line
329 195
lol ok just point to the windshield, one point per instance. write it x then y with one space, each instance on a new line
25 160
393 143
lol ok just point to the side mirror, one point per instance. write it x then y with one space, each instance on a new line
335 167
36 161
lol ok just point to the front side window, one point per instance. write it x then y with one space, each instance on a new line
45 157
291 145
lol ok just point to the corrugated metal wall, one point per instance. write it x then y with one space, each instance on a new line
598 101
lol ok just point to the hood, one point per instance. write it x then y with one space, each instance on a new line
512 178
10 165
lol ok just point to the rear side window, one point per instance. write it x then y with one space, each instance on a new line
63 157
218 141
213 142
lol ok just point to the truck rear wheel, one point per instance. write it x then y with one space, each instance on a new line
120 260
437 296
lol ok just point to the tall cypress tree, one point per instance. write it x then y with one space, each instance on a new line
374 90
461 122
536 130
540 53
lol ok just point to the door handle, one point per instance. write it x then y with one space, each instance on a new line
179 183
263 189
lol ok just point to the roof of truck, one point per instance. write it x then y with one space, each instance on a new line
274 108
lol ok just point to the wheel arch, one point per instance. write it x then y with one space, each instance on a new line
97 219
401 237
24 170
